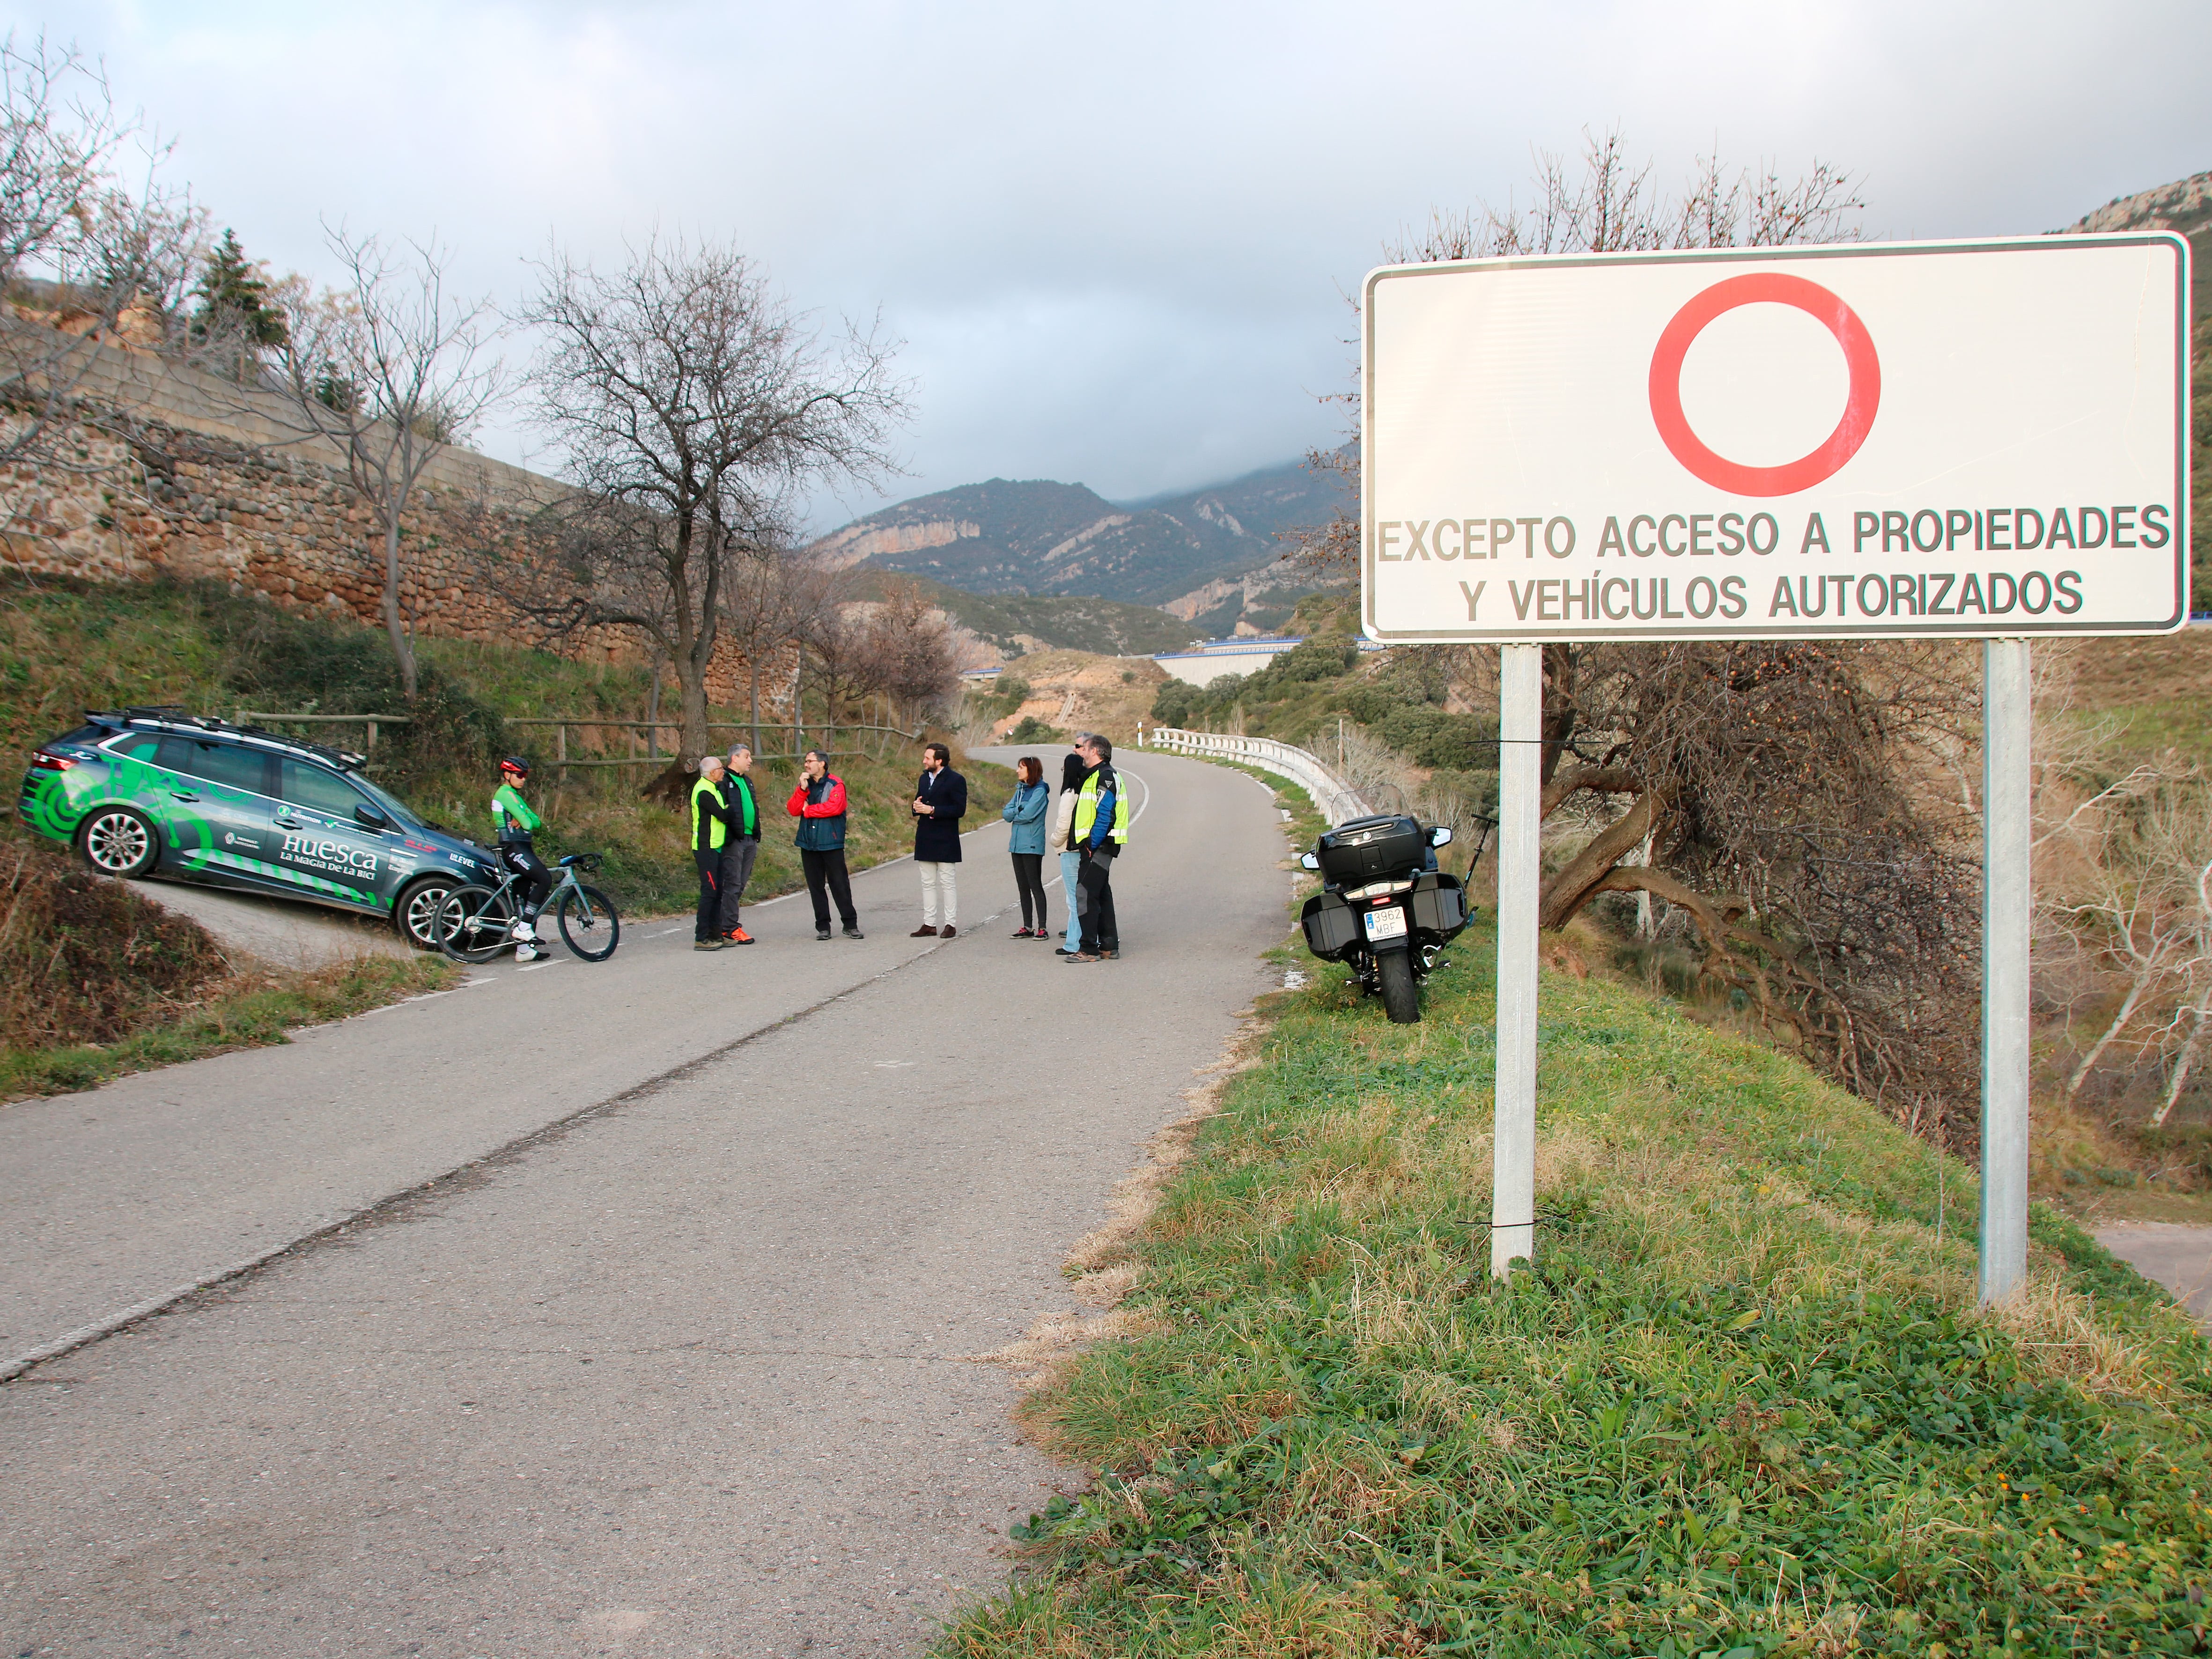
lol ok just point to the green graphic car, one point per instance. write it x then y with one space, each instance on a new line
156 792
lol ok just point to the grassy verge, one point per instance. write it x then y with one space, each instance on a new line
247 1012
1743 1406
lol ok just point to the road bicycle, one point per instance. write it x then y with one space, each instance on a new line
478 922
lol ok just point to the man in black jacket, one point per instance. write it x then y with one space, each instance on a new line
743 846
939 800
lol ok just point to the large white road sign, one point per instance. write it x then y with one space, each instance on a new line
1985 437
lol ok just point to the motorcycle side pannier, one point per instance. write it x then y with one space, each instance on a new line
1329 925
1363 849
1439 905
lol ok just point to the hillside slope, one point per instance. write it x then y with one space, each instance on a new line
1039 537
1018 623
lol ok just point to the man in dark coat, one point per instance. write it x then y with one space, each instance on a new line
743 845
939 800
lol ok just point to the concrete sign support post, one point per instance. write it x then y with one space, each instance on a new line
1520 812
1975 439
2007 917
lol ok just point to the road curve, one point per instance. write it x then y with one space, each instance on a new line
674 1364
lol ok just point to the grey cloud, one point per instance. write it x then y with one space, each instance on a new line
1116 240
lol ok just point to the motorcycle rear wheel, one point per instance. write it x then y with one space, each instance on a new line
1401 997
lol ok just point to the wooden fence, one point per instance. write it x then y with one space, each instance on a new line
803 736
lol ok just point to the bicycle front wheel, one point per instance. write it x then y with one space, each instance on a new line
589 925
475 924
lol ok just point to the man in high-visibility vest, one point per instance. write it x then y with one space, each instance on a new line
1100 831
710 827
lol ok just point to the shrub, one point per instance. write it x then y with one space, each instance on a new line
85 959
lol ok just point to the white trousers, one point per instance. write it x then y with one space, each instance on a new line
939 878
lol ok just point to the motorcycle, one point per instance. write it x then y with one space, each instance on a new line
1384 907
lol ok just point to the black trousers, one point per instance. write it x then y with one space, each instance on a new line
537 879
1100 932
1029 880
709 860
828 870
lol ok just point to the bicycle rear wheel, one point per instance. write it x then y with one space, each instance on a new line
474 923
589 925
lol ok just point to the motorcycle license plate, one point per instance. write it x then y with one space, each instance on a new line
1389 923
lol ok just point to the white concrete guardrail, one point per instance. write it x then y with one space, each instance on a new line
1336 800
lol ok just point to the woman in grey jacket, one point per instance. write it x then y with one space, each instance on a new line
1025 812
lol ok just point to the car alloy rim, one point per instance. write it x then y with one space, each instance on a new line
422 911
116 842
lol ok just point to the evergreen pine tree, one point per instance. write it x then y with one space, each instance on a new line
234 301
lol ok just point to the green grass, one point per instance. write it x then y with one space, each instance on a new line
1743 1406
245 1013
67 646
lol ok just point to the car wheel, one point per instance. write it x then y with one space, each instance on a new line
117 841
415 915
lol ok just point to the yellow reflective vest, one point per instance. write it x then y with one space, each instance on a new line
1086 809
712 810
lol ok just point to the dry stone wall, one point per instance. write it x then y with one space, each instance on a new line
173 474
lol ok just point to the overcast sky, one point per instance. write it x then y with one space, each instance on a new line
1116 239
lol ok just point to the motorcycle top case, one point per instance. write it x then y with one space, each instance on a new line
1361 850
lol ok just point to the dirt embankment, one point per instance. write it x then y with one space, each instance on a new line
1080 691
85 959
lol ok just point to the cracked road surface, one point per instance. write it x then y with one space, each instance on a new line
682 1374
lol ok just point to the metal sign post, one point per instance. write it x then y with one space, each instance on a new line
2007 919
1964 439
1520 874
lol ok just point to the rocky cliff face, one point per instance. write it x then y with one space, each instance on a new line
863 541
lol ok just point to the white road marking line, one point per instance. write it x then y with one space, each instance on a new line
665 932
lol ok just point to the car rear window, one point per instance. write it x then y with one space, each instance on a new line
136 746
222 764
319 790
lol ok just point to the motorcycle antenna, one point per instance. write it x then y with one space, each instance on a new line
1481 842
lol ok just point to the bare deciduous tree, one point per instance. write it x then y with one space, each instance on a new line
2123 895
903 651
776 599
58 134
689 401
391 369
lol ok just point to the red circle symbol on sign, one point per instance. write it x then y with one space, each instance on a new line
1769 288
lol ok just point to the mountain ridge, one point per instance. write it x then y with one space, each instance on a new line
1044 537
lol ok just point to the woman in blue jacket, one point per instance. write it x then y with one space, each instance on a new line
1025 812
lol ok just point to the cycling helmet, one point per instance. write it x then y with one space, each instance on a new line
515 763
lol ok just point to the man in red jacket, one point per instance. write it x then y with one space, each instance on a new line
818 804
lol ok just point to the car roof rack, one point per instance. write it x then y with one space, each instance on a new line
168 714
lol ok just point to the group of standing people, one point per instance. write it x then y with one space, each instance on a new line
725 832
1089 827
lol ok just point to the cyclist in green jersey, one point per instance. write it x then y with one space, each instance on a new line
514 822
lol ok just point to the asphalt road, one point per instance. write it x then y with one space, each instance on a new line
668 1357
2175 1254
